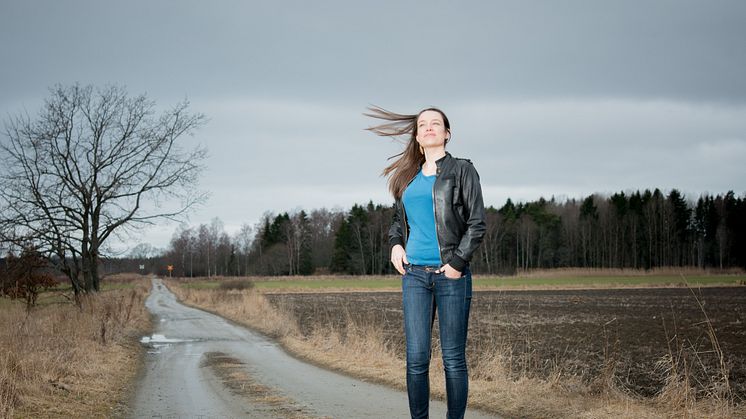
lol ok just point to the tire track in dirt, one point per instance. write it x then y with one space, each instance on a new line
236 377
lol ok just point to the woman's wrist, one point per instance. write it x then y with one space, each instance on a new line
457 263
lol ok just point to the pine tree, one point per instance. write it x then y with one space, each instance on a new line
342 246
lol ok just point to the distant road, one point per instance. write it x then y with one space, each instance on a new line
200 365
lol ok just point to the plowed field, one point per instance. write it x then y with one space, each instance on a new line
634 333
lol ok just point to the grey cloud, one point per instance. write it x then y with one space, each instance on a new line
330 50
547 98
607 145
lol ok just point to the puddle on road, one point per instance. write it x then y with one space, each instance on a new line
158 342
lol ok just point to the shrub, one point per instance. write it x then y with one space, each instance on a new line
237 284
24 276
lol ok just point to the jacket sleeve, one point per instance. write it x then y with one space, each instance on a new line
471 192
396 231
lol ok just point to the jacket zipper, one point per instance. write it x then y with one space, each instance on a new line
435 217
405 228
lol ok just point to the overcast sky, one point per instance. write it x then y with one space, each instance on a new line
547 98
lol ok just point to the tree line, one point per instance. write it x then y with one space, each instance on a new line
637 230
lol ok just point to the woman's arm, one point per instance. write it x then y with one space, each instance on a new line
471 193
396 231
396 240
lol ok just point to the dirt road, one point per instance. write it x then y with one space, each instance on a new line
200 365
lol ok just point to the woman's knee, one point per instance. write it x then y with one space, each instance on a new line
418 362
454 360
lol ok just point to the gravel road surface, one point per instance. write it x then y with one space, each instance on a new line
200 365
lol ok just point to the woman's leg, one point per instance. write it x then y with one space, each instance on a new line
417 303
453 299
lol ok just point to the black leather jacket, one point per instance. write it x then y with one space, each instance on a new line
459 212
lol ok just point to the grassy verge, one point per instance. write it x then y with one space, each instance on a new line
575 279
361 349
306 284
609 281
59 360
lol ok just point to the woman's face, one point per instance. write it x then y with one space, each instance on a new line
431 130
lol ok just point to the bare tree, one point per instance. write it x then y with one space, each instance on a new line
243 240
213 246
181 252
144 251
93 163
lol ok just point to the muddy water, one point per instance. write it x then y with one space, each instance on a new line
179 383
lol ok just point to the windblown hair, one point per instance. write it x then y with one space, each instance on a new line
409 161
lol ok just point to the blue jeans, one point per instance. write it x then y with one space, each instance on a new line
424 292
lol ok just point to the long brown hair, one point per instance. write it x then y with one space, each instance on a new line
403 169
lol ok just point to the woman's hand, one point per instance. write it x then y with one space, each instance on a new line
399 258
449 272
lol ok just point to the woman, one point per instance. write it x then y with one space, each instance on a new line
438 224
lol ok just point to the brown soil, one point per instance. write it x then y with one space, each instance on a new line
634 337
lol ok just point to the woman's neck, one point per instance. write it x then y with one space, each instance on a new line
432 155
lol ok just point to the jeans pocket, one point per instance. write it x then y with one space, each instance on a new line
452 279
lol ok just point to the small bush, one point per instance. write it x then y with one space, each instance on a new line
237 284
25 276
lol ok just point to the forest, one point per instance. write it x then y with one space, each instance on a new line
633 230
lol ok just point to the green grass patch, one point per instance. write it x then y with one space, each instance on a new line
344 283
105 286
311 283
199 284
6 302
57 295
393 282
610 281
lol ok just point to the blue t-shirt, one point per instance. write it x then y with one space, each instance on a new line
422 244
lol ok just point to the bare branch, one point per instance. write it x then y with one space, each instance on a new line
92 162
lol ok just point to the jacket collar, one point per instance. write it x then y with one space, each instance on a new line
442 161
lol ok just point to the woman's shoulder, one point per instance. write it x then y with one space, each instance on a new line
462 160
463 168
462 163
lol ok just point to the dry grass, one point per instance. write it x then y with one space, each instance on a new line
59 360
237 305
281 278
714 396
361 349
601 272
